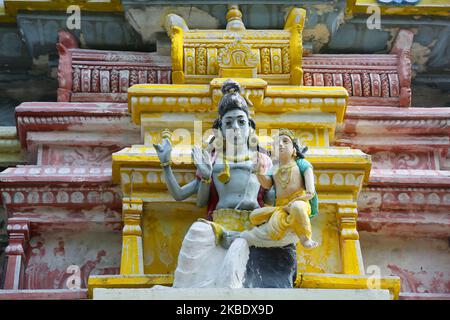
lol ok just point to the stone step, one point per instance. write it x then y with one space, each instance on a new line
168 293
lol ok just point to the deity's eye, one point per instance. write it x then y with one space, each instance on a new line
242 122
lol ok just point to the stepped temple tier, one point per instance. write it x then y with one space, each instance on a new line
230 159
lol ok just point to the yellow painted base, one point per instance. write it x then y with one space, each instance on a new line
128 281
343 281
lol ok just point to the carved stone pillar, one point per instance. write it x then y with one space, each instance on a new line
132 255
19 234
352 262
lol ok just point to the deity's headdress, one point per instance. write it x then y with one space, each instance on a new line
299 149
232 100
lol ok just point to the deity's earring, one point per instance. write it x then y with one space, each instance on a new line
218 141
253 139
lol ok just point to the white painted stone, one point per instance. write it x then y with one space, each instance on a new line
152 177
324 179
433 198
107 197
34 171
6 197
62 197
19 197
77 197
349 179
79 170
47 197
64 170
338 179
167 293
50 170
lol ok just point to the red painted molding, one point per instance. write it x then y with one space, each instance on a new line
43 294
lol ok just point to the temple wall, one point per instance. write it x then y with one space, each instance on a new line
80 156
422 264
325 231
52 252
164 228
93 241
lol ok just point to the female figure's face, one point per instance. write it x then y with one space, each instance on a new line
235 127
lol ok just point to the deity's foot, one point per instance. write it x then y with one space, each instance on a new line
308 243
228 237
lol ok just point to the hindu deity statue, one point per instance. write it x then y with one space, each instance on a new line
232 181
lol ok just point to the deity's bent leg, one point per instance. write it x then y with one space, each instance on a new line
261 215
199 259
299 222
260 237
299 219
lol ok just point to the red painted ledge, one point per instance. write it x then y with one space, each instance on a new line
45 294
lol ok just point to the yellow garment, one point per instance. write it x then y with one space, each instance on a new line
280 221
229 219
233 219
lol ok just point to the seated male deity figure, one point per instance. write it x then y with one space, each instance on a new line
227 185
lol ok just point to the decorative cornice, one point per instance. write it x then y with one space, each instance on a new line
75 124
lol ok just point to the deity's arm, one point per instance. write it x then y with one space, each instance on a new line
265 181
309 183
177 192
163 151
203 193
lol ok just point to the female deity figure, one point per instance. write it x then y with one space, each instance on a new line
211 255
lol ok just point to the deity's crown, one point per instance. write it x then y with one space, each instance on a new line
287 132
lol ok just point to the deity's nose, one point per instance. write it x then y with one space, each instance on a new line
235 125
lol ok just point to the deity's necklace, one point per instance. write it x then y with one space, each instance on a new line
225 175
285 169
237 159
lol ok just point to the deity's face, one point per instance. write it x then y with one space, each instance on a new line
284 147
235 127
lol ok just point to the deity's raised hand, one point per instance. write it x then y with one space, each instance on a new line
261 164
163 150
202 161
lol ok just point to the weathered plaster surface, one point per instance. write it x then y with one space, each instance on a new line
325 258
422 264
149 21
80 156
50 254
3 242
